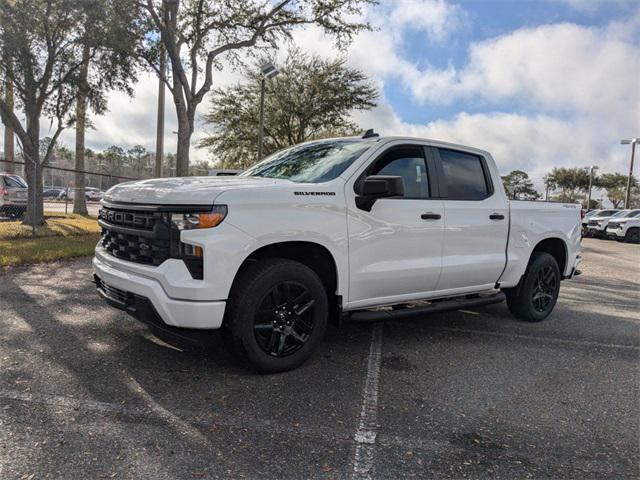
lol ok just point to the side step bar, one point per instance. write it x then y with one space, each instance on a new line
440 306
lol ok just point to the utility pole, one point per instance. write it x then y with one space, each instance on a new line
268 70
591 169
160 121
633 143
261 127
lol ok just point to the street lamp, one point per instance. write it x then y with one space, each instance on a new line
633 142
591 169
268 70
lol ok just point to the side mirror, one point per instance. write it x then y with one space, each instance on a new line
378 186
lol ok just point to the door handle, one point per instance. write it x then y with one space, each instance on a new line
496 216
430 216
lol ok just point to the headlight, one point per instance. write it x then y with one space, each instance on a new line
198 220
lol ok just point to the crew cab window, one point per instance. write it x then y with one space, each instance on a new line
464 175
408 163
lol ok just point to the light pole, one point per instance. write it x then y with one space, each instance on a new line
633 143
268 70
591 169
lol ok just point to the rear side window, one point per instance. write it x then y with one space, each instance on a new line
464 175
14 182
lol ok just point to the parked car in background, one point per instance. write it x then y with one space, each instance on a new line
91 194
13 195
626 228
52 192
596 225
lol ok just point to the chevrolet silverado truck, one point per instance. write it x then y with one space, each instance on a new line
368 227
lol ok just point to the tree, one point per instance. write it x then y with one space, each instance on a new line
139 159
112 161
615 185
519 186
311 98
201 168
196 34
108 51
41 54
571 183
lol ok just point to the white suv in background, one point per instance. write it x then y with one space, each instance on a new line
597 225
626 228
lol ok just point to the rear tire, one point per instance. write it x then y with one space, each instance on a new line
632 235
276 316
534 298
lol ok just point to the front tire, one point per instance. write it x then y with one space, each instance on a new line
276 316
534 298
632 235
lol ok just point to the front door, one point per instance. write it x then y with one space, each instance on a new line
395 250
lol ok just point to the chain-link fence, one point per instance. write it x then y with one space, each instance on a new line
59 193
67 225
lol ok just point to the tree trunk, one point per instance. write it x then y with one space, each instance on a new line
33 170
79 201
9 148
160 122
185 128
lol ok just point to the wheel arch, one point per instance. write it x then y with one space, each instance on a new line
314 255
557 248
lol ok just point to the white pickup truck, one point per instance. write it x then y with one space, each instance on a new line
371 227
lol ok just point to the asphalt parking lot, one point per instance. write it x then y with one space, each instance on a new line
86 392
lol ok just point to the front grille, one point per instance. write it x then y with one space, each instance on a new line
137 236
135 248
147 236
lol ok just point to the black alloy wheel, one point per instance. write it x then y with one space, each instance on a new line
544 289
535 296
284 320
276 315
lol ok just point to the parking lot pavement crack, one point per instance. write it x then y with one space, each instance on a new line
365 436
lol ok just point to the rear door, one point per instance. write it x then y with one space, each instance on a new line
395 249
476 221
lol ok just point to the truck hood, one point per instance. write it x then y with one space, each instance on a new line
184 190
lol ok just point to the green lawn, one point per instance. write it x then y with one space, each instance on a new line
64 236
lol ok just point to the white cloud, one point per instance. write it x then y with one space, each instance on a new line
437 18
568 93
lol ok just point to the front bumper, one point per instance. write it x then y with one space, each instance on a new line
615 232
172 312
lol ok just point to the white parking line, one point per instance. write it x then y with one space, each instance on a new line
365 436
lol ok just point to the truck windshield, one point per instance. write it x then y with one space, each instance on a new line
312 162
